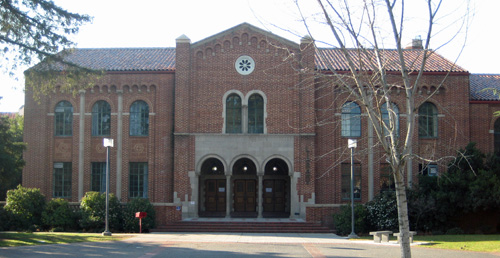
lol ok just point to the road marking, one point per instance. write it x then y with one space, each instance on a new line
313 251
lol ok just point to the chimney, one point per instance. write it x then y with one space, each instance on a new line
416 43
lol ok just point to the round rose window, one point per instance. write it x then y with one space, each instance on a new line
244 65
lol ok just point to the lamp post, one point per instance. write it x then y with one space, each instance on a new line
352 144
107 142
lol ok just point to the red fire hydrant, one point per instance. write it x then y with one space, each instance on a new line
140 215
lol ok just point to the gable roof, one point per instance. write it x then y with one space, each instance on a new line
334 59
248 27
120 59
482 87
163 59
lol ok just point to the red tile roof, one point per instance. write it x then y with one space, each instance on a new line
163 59
483 87
334 59
121 59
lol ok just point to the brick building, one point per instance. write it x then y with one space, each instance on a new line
229 127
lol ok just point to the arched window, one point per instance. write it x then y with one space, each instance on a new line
139 119
63 119
427 120
385 118
497 136
233 114
255 114
101 119
351 120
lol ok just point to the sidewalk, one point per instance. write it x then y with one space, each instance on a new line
253 238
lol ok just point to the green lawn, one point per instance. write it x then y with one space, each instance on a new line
20 239
476 243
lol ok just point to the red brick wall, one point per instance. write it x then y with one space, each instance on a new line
167 214
156 148
323 215
482 121
453 133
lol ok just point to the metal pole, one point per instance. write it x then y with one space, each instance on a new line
353 234
106 230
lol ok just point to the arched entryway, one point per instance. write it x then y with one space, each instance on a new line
244 188
276 192
212 189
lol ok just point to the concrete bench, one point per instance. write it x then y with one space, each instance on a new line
380 236
412 233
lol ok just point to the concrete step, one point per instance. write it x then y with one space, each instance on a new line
244 227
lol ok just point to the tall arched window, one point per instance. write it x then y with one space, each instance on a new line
63 119
101 119
351 120
385 118
139 119
233 114
497 136
427 120
255 114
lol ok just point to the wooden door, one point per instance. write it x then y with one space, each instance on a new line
245 195
215 195
274 195
279 195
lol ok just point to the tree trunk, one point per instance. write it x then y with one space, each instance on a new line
404 224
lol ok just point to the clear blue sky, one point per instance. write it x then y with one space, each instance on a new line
157 23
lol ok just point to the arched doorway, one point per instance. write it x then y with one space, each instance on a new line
276 192
212 189
244 188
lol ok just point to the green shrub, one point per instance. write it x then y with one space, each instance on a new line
455 231
342 220
382 212
131 223
93 212
5 219
58 214
26 206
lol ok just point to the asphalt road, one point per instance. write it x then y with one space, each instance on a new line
231 245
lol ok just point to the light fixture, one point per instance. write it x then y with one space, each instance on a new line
245 168
214 168
275 169
108 143
352 144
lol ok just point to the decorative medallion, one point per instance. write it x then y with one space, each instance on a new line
244 65
138 148
63 150
99 148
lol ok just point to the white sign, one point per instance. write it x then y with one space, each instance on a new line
107 142
222 189
269 190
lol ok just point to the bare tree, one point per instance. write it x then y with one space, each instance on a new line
361 32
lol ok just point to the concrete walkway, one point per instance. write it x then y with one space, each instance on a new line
229 245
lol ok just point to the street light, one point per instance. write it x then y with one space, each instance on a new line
352 144
107 142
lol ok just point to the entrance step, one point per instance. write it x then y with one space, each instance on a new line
244 227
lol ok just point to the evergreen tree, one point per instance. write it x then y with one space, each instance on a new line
11 151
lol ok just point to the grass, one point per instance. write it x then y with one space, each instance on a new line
9 239
474 243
